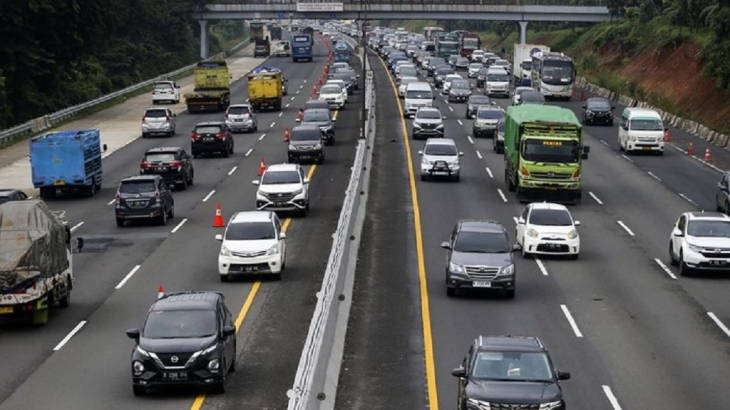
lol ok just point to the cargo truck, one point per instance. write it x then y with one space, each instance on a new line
302 47
275 33
468 42
265 88
543 153
522 65
66 161
36 269
342 52
212 90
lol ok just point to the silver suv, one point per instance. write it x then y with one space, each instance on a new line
486 120
240 117
480 257
158 121
440 158
428 122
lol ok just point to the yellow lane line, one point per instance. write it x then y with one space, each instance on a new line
433 402
200 399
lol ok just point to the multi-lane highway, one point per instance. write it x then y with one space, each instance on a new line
633 333
120 270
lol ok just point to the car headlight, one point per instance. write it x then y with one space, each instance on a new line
425 161
273 250
214 366
416 125
589 112
572 234
693 248
298 192
455 268
145 126
225 251
292 148
632 138
142 352
481 405
454 163
507 270
532 233
440 126
551 405
318 146
138 367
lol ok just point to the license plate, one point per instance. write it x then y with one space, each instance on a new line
161 168
208 139
482 284
174 376
279 203
646 148
552 246
6 310
440 173
237 120
713 263
250 269
59 183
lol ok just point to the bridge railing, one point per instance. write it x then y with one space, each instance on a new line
579 3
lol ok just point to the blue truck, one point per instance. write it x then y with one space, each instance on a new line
342 52
301 47
66 161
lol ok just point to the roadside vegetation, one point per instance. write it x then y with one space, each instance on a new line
671 54
59 53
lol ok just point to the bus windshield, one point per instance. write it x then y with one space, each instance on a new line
561 151
557 72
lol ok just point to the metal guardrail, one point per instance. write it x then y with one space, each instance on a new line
430 2
315 383
45 122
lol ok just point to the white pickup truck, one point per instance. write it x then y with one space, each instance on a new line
281 48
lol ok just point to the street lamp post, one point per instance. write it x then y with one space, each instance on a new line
363 76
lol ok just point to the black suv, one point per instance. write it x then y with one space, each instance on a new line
306 143
188 338
509 372
144 197
322 118
211 137
173 164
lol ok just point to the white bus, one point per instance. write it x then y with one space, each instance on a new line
553 75
430 32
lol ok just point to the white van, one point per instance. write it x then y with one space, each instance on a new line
497 82
418 94
641 129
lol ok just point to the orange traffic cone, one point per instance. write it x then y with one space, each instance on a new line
286 134
319 82
583 96
160 292
262 167
314 90
667 137
218 220
572 94
707 155
690 149
300 115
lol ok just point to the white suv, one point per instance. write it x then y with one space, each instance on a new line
700 241
547 228
165 91
253 243
283 187
440 158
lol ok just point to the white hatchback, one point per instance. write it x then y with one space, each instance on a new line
335 96
252 244
548 229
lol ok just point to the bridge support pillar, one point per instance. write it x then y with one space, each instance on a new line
523 31
203 39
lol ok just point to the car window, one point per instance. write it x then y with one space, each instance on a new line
440 149
208 129
281 177
316 116
428 114
330 89
479 99
519 366
550 217
532 97
137 187
598 104
481 242
709 229
163 86
459 85
306 135
155 113
490 114
180 324
646 124
160 157
250 231
239 110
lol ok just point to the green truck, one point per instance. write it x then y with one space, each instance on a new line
543 153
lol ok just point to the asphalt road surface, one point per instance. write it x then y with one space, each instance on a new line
633 333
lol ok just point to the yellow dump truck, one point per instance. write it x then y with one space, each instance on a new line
265 88
212 87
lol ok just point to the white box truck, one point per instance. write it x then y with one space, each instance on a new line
523 61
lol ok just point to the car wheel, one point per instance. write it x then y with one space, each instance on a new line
684 270
192 176
451 292
456 178
232 368
509 293
184 184
162 220
574 256
424 177
144 135
525 254
139 390
171 212
120 222
220 388
65 301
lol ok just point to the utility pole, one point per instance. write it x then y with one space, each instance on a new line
363 76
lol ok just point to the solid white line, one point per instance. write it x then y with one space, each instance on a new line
250 150
69 336
451 108
568 316
111 202
281 113
626 228
479 154
626 158
651 174
686 198
262 137
665 268
77 226
287 105
611 397
126 278
541 266
175 229
719 323
207 197
272 124
489 171
470 140
504 198
595 198
604 143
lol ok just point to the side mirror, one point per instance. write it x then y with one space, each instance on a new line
516 247
256 182
286 80
563 375
521 221
133 334
586 149
229 331
104 147
230 77
576 223
459 372
306 180
282 235
79 244
678 232
461 154
584 155
219 237
420 152
666 129
298 120
177 86
357 75
445 245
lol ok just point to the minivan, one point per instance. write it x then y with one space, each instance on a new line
641 129
418 94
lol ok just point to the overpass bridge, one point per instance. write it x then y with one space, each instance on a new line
520 11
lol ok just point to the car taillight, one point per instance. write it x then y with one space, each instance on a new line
176 164
221 135
194 136
145 165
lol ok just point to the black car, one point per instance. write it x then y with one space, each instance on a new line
598 110
173 164
482 77
322 118
211 137
306 143
260 51
462 63
188 338
509 372
8 195
473 104
144 197
440 74
315 104
460 91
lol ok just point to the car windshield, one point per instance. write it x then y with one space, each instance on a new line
419 94
407 80
440 149
428 114
481 242
709 229
136 187
476 66
511 366
538 150
490 114
330 89
550 217
444 71
160 157
316 116
250 231
408 71
462 61
646 124
521 90
532 97
479 100
239 110
459 85
502 63
180 324
598 105
155 114
163 86
498 78
309 133
210 129
280 177
483 71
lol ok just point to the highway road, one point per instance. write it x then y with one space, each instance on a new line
120 269
633 333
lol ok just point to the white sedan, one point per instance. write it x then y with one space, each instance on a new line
549 229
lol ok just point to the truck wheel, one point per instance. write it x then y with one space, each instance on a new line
48 192
65 301
91 189
184 184
508 182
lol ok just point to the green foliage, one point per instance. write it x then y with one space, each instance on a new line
58 53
